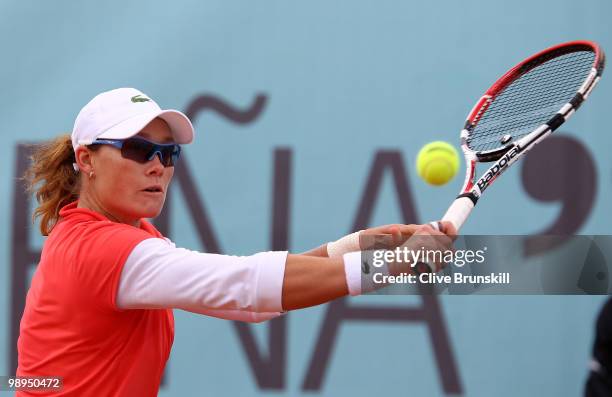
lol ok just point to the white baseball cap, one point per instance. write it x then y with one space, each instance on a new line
123 113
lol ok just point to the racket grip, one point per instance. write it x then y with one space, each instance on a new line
457 213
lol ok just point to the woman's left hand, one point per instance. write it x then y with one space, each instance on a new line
386 236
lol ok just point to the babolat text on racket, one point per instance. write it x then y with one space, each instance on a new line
522 108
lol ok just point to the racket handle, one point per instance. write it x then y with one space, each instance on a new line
457 213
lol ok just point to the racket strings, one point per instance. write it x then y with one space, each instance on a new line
531 100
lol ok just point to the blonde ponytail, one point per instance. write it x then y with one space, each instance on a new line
53 179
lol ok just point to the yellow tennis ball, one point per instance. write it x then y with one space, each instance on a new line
437 162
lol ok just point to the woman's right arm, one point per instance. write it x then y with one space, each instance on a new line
159 275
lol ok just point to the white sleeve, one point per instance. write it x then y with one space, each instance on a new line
157 275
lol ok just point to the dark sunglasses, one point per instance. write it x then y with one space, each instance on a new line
142 150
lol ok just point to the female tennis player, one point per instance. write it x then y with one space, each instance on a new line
99 309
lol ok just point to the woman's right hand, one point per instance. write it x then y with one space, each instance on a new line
432 244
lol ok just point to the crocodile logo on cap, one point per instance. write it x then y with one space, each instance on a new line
139 98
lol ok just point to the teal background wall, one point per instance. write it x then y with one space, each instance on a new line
344 80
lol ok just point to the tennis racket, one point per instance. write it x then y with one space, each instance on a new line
520 109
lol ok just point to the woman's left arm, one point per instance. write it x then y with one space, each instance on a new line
358 241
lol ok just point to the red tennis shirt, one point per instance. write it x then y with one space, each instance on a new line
71 326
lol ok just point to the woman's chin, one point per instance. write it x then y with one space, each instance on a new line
148 212
150 208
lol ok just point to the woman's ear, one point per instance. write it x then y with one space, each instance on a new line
84 160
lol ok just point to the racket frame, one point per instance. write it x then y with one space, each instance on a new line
505 156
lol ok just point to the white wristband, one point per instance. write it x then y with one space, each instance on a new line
352 272
346 244
360 274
